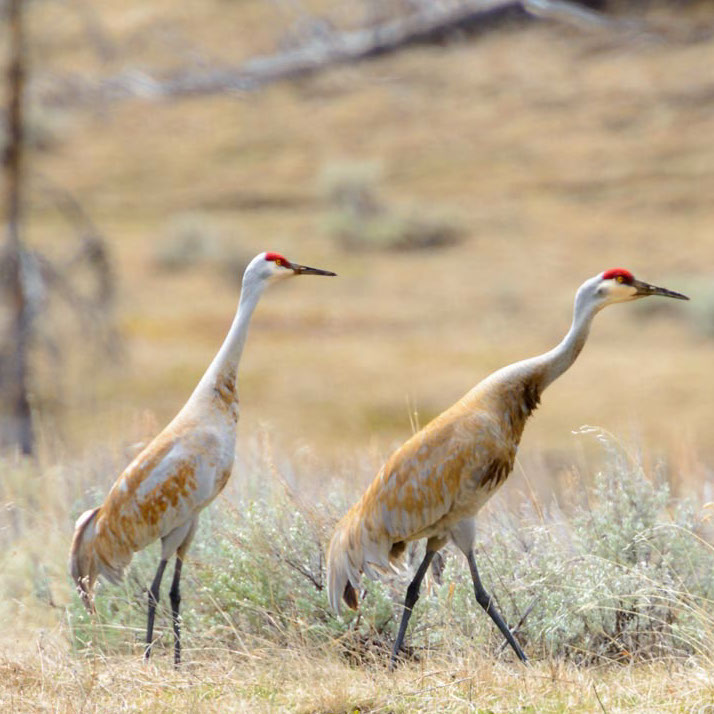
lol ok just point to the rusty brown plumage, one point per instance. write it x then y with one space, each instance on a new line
161 493
435 483
437 478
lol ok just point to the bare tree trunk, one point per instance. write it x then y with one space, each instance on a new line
19 415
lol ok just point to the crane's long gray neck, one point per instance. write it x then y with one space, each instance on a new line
223 369
561 357
541 371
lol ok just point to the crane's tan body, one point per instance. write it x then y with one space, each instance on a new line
434 484
162 492
164 488
436 480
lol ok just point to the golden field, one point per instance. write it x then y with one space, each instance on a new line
557 153
562 156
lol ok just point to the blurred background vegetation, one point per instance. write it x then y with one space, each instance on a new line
462 190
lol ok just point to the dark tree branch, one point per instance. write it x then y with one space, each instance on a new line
92 250
317 582
430 23
585 19
14 379
94 30
27 278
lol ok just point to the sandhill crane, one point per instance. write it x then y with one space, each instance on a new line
163 490
435 483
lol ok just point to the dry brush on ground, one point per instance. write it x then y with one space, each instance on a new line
611 577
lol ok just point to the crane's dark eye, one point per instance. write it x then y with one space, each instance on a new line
278 262
620 279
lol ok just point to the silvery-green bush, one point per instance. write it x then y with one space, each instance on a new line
359 219
627 574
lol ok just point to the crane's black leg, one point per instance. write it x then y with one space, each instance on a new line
153 601
175 596
484 599
409 602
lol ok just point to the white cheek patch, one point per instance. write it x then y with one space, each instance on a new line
619 292
282 273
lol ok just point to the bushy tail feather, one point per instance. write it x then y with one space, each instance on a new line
343 577
85 563
356 549
81 559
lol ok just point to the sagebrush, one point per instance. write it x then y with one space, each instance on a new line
616 570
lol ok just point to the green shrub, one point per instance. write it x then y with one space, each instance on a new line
189 239
625 576
193 240
359 220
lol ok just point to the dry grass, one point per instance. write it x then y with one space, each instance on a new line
51 661
45 678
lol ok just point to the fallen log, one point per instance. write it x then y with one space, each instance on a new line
433 23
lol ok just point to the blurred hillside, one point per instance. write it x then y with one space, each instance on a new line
551 154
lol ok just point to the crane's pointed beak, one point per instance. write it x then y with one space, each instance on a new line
304 270
645 289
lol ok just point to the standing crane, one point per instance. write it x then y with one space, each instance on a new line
164 489
434 484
